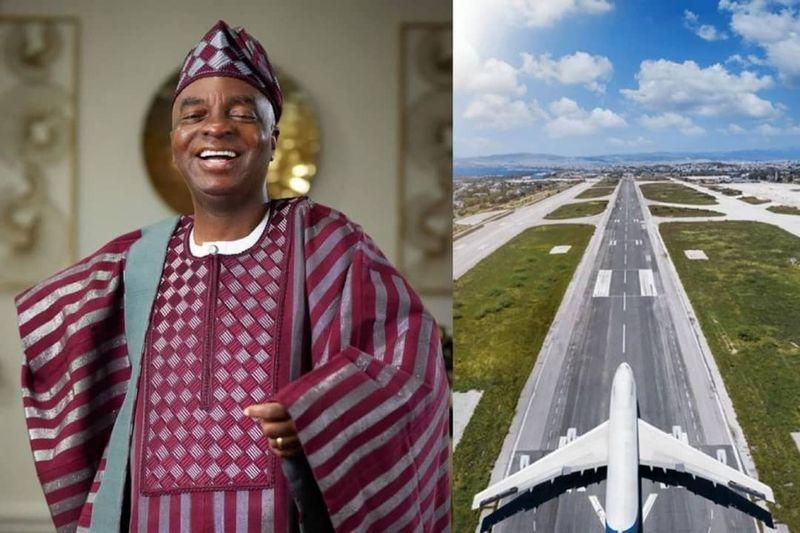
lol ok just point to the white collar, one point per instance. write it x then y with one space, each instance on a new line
228 247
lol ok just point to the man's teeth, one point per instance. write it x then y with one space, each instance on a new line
228 154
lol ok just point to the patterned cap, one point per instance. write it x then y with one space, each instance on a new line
232 52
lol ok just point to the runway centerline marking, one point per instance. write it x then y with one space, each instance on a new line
623 338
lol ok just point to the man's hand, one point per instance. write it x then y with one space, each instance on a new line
276 423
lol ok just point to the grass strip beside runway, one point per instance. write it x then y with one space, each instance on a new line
675 193
595 192
747 298
671 211
502 312
784 209
754 200
605 183
577 210
726 191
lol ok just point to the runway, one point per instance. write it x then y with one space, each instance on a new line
627 310
470 249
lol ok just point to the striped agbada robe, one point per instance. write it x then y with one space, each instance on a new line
355 359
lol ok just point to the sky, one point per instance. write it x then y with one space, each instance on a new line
591 77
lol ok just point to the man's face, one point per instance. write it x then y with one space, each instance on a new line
222 139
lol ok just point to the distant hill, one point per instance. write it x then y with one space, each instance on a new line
512 163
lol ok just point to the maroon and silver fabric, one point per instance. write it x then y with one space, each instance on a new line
232 52
210 353
347 348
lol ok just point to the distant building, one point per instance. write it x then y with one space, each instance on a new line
722 178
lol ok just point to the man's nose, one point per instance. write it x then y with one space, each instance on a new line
218 125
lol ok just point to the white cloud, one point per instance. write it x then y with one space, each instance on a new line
499 112
668 86
471 74
629 143
704 31
568 119
481 144
671 120
734 129
710 33
749 61
774 26
542 13
770 130
579 68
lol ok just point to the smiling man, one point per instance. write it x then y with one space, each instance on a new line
258 366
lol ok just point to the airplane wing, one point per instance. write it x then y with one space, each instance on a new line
661 450
586 452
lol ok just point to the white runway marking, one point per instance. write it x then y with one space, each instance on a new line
464 404
648 505
696 255
646 283
524 461
601 514
603 284
624 301
796 439
623 338
556 250
722 456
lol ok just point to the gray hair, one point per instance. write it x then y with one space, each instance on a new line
269 119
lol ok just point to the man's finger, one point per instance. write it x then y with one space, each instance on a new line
274 430
286 454
287 443
267 411
287 449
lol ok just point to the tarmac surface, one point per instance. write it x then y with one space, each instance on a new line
470 249
623 307
736 209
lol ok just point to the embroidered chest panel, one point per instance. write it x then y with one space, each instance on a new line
211 351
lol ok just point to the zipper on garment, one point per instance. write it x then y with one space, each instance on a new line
209 327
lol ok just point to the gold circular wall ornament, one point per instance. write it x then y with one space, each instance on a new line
295 160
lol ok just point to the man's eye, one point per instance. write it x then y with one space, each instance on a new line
192 116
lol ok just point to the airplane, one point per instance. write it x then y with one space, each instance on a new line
622 443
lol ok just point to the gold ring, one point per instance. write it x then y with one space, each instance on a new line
279 443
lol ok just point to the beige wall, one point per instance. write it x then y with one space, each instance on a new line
344 53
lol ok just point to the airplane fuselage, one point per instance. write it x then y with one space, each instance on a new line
623 444
622 482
